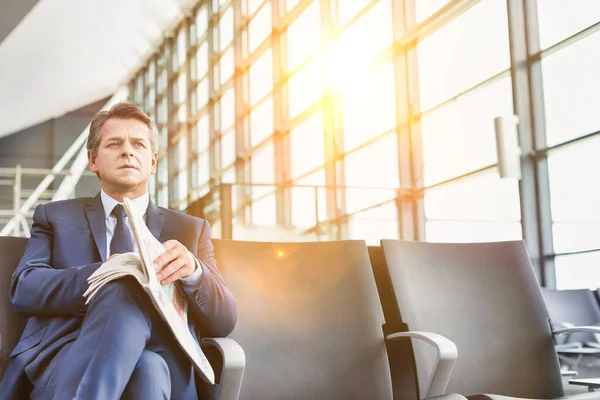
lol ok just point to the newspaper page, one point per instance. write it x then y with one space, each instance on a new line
169 299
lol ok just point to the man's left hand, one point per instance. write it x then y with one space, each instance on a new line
176 263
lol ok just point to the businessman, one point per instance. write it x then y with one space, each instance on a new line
117 346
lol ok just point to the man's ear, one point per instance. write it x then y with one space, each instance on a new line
154 162
92 162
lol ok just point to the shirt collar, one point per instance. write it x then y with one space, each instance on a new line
140 204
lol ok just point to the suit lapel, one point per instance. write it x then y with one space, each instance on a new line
94 213
154 219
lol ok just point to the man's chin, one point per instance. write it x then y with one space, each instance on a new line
127 182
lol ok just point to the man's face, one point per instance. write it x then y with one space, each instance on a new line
125 159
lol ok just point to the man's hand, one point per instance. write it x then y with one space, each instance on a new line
176 263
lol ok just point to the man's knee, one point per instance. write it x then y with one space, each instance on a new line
124 290
124 306
150 378
153 367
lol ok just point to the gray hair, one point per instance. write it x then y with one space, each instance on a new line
123 111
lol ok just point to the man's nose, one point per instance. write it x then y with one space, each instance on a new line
127 149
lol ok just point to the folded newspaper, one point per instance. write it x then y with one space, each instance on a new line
167 299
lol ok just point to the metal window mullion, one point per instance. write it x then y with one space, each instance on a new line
281 145
131 95
188 105
137 96
409 206
528 105
241 128
158 100
170 43
214 157
143 95
334 177
155 176
333 107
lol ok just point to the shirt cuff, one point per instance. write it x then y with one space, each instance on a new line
194 279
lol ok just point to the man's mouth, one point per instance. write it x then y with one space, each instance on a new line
128 166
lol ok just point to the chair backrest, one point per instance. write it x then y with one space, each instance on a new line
485 298
309 319
577 307
400 352
11 323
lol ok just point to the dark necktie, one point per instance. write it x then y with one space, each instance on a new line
121 241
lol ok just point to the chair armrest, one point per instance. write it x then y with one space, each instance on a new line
451 396
234 363
592 384
594 345
588 329
446 357
562 325
569 373
570 345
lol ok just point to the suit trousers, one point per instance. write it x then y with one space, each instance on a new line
123 350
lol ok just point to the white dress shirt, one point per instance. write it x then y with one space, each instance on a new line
140 207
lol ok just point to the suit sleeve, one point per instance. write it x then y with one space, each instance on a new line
213 307
37 289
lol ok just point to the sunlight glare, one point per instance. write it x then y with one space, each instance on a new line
346 68
351 57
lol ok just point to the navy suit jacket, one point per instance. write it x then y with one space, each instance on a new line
67 244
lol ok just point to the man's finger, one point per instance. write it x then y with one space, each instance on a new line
169 244
164 259
174 277
180 273
171 269
174 250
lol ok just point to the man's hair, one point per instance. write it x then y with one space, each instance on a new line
122 111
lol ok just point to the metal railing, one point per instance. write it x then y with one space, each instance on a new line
16 217
17 225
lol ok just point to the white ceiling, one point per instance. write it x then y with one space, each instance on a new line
65 54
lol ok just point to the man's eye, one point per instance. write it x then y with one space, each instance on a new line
113 144
140 144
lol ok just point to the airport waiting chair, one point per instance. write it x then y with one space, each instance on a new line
309 320
229 355
11 323
574 308
485 298
569 308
